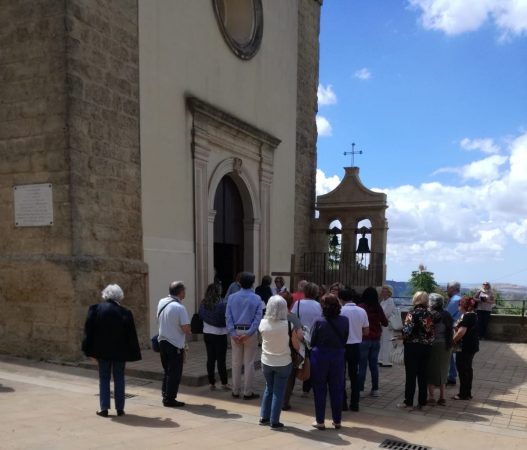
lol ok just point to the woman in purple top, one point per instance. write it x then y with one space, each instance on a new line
328 342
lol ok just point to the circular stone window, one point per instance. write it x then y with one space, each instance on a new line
241 23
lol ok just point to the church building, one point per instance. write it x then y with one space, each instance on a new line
143 142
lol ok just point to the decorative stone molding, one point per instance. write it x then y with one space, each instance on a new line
225 145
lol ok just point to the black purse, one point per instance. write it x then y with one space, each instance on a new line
196 324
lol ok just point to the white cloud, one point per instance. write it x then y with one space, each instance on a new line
326 184
441 223
326 95
363 74
460 16
323 126
484 145
485 170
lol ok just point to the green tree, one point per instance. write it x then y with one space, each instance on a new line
423 280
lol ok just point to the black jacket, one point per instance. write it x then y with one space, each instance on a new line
110 334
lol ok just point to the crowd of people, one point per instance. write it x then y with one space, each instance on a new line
334 331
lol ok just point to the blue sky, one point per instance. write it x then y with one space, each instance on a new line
435 94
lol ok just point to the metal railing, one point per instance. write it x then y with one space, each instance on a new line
348 268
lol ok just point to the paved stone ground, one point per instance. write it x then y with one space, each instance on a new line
48 406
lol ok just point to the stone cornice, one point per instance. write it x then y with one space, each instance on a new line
198 106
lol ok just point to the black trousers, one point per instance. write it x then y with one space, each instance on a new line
415 362
465 372
172 361
352 363
483 322
216 345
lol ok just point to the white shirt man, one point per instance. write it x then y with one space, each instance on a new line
359 327
174 325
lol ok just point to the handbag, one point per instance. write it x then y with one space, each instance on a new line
155 339
296 358
395 322
304 373
196 324
397 354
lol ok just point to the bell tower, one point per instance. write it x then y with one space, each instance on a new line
363 233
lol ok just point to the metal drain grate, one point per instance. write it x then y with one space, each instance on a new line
398 445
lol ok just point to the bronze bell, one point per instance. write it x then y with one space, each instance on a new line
363 245
334 241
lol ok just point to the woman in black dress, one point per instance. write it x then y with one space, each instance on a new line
467 340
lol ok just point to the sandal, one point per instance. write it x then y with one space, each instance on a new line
441 402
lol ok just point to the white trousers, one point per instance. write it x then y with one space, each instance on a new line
243 355
386 345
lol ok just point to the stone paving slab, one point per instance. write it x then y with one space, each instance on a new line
52 406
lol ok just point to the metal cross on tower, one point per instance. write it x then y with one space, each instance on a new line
353 153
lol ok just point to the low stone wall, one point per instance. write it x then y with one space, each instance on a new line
507 328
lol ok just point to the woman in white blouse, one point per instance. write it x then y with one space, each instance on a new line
276 360
389 308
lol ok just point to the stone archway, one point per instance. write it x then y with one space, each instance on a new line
223 145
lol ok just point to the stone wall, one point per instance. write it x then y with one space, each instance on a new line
507 328
306 131
69 116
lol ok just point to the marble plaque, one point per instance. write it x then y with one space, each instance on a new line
33 205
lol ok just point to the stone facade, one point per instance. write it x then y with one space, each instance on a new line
69 116
306 127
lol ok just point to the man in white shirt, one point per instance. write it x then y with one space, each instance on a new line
359 327
174 325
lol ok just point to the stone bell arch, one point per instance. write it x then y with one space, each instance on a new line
351 202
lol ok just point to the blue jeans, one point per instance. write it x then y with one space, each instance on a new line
106 369
273 397
452 371
369 354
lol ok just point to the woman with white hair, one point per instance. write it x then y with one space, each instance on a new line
276 360
389 308
111 338
418 336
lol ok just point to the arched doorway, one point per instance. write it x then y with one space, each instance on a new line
228 232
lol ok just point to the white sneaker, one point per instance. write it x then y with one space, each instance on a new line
375 393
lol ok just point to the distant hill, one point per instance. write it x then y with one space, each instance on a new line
507 290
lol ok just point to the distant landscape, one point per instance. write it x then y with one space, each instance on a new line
508 291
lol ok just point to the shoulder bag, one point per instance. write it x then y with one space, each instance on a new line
395 322
296 358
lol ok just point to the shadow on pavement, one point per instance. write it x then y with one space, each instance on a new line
134 420
6 389
211 411
503 403
368 434
328 436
